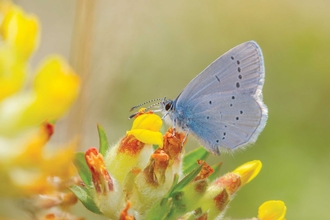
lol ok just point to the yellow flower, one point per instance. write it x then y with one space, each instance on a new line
248 171
19 34
108 196
131 152
146 128
272 210
55 88
19 30
27 168
221 191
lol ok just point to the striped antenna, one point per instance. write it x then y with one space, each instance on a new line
152 100
149 107
152 105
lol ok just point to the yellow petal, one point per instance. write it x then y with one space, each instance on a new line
55 80
20 30
56 86
12 72
147 136
32 153
146 128
150 122
248 171
272 210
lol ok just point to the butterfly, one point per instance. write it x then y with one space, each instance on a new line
222 107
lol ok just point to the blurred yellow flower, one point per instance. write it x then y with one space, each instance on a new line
272 210
27 167
19 30
28 172
55 88
19 37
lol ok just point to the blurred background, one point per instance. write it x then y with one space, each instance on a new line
133 51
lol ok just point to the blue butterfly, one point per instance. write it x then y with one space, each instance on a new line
222 106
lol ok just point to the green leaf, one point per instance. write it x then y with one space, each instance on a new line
85 198
165 209
185 181
160 210
175 182
104 145
189 161
173 195
216 172
83 170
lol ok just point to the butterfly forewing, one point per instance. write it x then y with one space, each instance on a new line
223 106
239 70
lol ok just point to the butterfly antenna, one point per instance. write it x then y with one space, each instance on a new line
152 105
152 100
149 107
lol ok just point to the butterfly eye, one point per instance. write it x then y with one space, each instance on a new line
168 106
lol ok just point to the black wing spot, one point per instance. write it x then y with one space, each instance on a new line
217 78
237 85
238 62
208 117
241 112
232 57
210 102
217 141
231 105
240 76
225 126
224 133
233 97
239 69
223 138
237 118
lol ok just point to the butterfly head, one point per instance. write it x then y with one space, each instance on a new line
166 105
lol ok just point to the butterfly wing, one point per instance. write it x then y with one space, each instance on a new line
223 106
225 121
241 69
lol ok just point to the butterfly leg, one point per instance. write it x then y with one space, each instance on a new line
164 116
174 127
185 137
